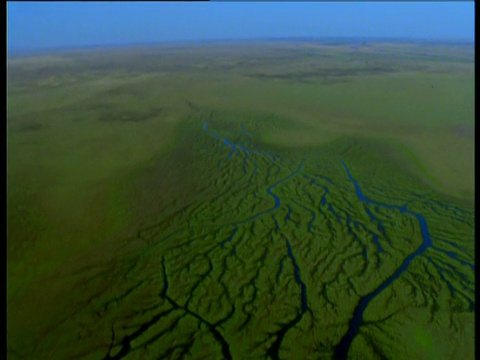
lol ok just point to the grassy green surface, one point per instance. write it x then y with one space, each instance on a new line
135 232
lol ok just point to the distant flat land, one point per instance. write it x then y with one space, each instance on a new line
251 200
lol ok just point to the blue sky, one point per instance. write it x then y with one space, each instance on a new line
37 25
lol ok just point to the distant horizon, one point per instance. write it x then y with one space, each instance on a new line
324 39
48 26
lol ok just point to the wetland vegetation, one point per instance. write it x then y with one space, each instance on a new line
248 200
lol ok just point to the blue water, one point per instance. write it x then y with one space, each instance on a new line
238 148
452 270
296 273
375 240
312 213
277 227
234 150
330 208
274 197
455 257
323 201
341 350
287 217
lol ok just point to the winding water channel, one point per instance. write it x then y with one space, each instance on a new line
341 350
316 189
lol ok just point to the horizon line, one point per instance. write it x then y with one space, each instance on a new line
320 39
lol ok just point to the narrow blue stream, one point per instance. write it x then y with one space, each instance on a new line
298 280
273 195
341 350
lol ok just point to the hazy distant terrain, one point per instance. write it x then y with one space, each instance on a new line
283 200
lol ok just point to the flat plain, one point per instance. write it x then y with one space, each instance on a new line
250 200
